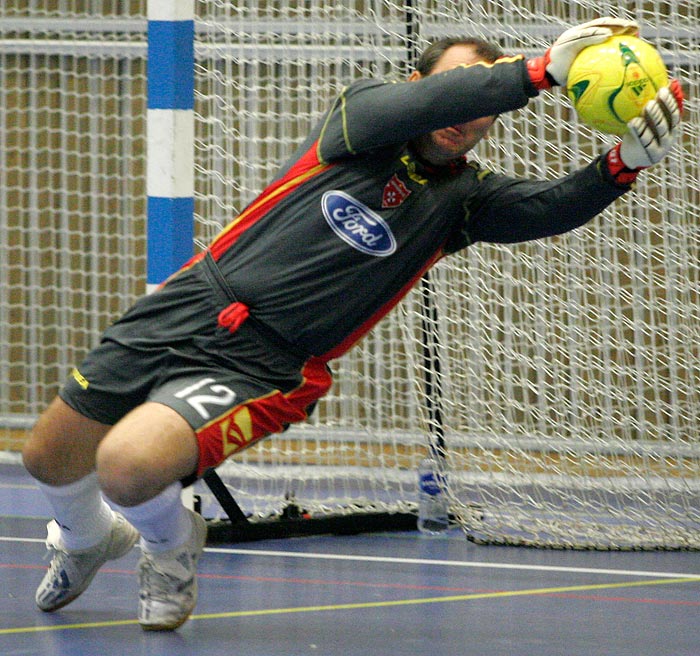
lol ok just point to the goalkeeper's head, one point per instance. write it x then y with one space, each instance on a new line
484 50
451 143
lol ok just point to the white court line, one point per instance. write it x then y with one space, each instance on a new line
17 486
424 561
451 563
10 539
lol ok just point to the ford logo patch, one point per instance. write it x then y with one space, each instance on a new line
357 225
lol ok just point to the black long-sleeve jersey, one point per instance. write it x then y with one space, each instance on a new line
354 219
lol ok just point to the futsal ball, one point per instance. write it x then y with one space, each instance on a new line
609 83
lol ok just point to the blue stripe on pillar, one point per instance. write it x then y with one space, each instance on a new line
170 236
171 64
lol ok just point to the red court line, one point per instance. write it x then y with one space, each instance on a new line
634 600
390 586
277 579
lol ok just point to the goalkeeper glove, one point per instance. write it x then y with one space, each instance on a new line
553 68
649 137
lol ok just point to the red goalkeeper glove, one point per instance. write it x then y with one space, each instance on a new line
649 137
553 68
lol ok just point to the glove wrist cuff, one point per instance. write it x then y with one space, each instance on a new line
618 170
537 70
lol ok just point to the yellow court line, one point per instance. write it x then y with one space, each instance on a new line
364 605
453 598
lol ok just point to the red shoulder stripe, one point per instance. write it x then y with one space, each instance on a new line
305 168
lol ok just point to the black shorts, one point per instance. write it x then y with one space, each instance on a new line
190 348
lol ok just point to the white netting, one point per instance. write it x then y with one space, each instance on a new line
569 367
72 199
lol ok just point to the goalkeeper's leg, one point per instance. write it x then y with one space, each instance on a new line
140 462
85 532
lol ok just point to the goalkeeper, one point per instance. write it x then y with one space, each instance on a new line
235 346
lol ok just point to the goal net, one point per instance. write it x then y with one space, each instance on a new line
562 374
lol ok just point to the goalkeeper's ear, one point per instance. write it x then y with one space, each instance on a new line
649 137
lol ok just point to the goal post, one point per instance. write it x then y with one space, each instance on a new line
170 138
568 377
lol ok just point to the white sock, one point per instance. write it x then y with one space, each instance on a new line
164 523
82 514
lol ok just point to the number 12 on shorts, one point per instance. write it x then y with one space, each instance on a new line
203 393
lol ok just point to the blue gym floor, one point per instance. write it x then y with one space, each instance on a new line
378 594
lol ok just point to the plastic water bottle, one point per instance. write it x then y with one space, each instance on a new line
433 511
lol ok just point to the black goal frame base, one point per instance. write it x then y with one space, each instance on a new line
293 521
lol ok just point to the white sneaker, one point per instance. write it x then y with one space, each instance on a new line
70 572
168 581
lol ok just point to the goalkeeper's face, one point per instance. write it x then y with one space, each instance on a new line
442 146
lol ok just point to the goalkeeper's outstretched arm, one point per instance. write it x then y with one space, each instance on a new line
509 210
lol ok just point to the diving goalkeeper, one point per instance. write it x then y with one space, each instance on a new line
235 346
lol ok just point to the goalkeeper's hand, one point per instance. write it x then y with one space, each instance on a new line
553 68
649 137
